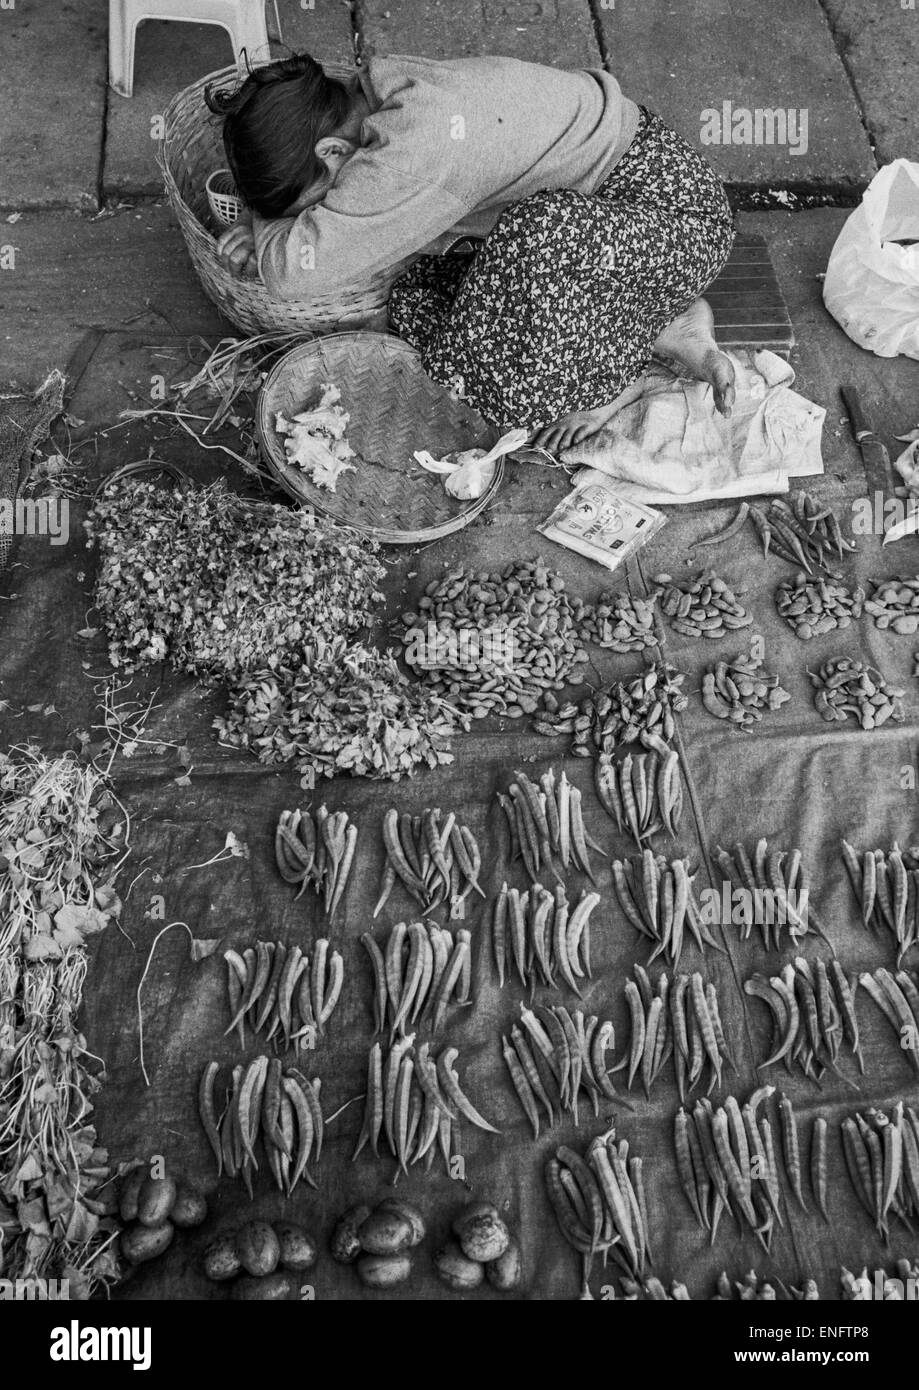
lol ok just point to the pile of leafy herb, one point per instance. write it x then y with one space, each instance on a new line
55 890
268 601
348 708
221 587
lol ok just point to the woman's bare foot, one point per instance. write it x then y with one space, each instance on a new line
690 341
572 429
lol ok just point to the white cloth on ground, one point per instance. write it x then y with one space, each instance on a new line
670 445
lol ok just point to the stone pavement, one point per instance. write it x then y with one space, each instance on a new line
67 141
837 73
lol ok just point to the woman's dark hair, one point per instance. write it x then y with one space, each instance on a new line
271 127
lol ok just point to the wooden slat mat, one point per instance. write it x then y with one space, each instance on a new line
749 307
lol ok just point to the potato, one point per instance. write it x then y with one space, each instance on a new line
271 1288
383 1271
506 1272
481 1232
345 1244
189 1207
455 1270
298 1249
221 1260
129 1193
142 1243
386 1233
411 1214
155 1199
258 1248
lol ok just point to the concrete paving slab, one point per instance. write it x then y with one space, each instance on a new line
879 45
560 32
72 272
52 101
171 56
732 58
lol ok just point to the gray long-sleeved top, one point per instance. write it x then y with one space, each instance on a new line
447 146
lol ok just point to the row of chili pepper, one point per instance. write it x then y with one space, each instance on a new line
318 851
436 861
642 794
813 1011
599 1204
282 990
657 899
886 887
553 1056
538 934
546 822
414 1100
264 1101
417 972
679 1019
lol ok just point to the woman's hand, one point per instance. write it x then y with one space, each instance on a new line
236 248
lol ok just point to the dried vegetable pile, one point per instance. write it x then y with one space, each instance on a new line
59 831
702 607
512 636
845 686
640 710
541 938
813 1014
552 1056
814 607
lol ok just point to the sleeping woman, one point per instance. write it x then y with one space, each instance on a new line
593 227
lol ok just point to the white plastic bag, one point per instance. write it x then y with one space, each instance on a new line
872 283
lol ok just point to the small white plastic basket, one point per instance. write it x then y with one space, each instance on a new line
225 202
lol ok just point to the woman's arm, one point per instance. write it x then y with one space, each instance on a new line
372 218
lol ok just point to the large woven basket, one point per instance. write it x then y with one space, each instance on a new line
395 408
191 150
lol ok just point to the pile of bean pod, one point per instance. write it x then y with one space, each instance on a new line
882 1159
280 989
545 821
435 861
702 607
801 532
264 1101
637 711
553 1056
886 887
316 850
813 1012
814 607
678 1018
862 1289
538 935
642 794
844 686
897 997
770 890
726 1161
417 972
527 603
414 1100
619 622
740 691
894 604
657 899
599 1204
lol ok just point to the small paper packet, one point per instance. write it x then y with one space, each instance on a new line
597 522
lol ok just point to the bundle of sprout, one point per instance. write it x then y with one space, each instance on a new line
348 709
221 587
54 892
